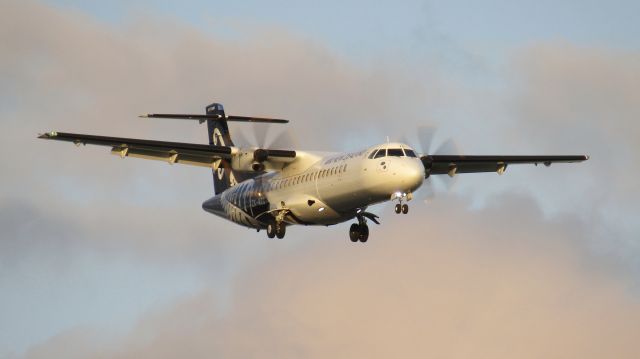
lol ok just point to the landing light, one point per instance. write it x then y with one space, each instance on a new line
320 209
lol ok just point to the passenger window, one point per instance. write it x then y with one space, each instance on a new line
381 153
395 152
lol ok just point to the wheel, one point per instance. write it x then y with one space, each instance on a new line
398 208
354 232
271 230
363 233
281 229
405 208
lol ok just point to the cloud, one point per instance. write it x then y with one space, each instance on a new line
589 98
447 286
505 280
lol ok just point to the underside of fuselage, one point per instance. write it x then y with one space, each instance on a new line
247 206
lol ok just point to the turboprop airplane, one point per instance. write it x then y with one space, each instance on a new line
270 189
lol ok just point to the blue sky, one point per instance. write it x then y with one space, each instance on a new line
96 244
356 27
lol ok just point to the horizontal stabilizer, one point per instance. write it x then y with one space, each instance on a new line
203 118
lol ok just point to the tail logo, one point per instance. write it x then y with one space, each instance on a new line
217 137
218 140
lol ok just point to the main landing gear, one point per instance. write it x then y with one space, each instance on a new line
360 231
275 229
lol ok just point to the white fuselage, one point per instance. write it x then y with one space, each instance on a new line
322 189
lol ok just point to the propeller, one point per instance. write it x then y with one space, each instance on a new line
263 143
261 139
426 135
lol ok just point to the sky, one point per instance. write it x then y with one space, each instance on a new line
103 257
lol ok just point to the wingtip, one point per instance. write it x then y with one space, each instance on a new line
47 135
144 115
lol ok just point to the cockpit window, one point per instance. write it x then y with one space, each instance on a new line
409 152
381 153
373 153
396 152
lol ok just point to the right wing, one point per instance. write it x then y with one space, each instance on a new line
172 152
453 164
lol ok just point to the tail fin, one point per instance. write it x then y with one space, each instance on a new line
219 135
217 128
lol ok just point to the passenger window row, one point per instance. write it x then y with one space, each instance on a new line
312 176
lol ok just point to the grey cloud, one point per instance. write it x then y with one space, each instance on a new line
465 282
448 286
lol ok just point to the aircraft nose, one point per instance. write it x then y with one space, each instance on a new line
413 175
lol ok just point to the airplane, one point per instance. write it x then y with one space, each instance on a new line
270 189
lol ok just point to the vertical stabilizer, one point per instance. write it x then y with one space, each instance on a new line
219 135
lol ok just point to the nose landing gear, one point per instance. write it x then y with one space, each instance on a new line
402 207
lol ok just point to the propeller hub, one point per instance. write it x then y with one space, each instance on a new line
260 155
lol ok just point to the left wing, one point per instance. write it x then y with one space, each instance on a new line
452 165
172 152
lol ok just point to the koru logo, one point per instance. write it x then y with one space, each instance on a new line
218 140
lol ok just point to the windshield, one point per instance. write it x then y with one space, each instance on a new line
396 152
381 153
409 153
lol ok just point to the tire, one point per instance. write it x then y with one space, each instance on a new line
398 208
363 233
405 208
281 229
354 232
271 230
